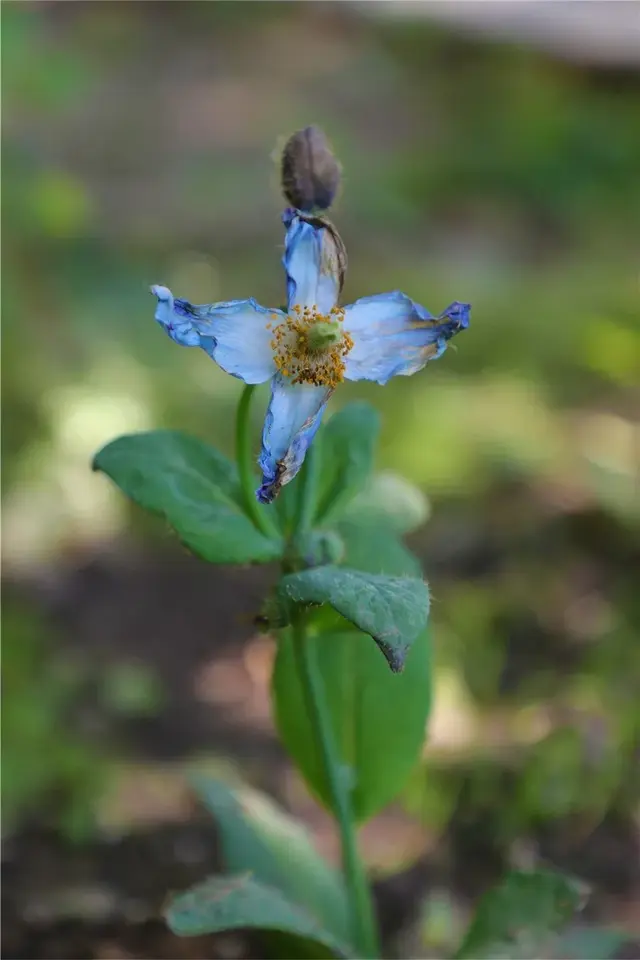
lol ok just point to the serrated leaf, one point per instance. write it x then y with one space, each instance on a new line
347 446
392 500
194 487
378 718
520 916
258 836
392 610
239 902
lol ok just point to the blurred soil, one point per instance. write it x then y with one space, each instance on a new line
193 625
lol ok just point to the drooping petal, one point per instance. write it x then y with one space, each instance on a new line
314 263
234 333
292 419
392 335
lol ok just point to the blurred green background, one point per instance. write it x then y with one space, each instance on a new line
139 146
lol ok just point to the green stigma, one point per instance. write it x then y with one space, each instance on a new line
323 335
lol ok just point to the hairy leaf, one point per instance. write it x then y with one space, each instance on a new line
392 610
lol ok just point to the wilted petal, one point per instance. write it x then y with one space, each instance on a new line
393 335
177 321
312 262
234 332
292 419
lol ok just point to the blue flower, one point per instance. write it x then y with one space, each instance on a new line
312 347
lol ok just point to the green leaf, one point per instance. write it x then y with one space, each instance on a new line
239 902
390 499
258 836
194 487
347 444
378 718
520 917
392 610
374 548
588 943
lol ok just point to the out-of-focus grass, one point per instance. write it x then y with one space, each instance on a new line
42 758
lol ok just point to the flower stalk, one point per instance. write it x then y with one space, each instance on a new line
364 928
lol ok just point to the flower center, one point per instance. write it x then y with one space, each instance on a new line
310 347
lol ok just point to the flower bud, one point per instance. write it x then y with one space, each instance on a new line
310 172
321 547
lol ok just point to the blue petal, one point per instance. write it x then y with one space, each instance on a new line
234 332
175 320
311 263
393 336
293 417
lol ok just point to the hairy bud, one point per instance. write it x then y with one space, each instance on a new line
310 172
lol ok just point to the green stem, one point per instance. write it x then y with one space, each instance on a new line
361 908
244 459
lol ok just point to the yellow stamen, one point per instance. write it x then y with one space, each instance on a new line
302 358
